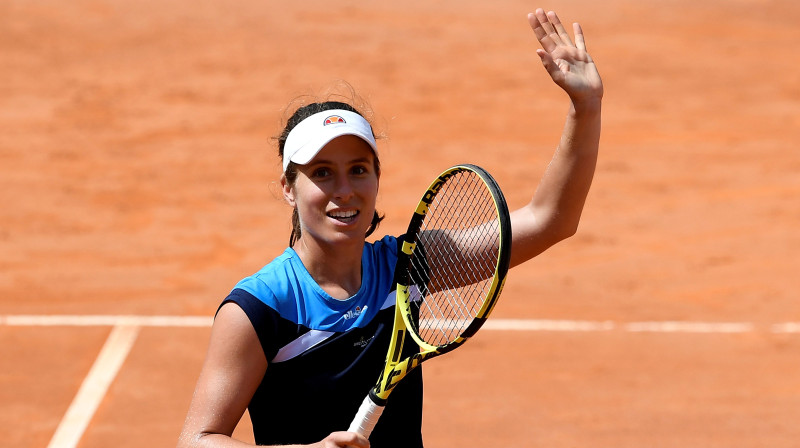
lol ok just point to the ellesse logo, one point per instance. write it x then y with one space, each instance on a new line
352 314
333 119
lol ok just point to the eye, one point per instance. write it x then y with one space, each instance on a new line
321 172
359 169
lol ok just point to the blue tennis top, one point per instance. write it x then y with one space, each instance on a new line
325 354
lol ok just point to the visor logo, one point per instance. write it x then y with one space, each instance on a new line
333 119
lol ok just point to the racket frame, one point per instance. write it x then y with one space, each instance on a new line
396 368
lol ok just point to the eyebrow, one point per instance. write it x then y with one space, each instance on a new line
329 162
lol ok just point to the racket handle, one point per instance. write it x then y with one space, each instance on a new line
366 417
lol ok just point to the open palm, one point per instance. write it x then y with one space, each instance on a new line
568 63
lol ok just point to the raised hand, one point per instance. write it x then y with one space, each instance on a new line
568 63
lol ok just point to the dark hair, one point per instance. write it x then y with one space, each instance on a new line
299 115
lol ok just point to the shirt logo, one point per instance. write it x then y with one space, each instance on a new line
352 314
333 119
363 342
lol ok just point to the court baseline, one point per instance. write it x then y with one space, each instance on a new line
125 329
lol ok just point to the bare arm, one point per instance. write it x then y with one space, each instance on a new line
555 209
233 369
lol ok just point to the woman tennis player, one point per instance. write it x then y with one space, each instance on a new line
301 341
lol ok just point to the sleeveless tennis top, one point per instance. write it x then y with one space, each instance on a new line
325 354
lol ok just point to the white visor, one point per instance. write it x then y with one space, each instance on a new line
310 135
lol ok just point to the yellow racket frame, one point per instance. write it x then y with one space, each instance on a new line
396 368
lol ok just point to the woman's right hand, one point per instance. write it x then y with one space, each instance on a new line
343 439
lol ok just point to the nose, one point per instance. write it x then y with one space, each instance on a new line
344 187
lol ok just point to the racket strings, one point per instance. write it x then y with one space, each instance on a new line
458 249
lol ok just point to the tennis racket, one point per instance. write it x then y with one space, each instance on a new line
449 273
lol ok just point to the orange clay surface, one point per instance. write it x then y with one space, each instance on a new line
138 177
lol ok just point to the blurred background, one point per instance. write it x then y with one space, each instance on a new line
138 176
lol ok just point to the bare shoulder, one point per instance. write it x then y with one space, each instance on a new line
233 335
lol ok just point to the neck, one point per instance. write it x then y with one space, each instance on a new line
336 269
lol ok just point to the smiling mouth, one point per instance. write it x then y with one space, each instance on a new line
344 216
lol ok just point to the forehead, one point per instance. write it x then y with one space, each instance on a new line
344 148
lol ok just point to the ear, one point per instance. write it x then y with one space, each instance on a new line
288 193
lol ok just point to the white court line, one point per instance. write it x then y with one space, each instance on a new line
126 329
491 324
547 325
94 387
106 320
689 327
788 327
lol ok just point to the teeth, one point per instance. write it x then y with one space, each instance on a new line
349 214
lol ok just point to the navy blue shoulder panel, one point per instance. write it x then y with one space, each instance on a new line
273 331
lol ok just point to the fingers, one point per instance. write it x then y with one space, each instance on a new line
549 30
550 65
559 28
580 42
540 33
342 439
544 30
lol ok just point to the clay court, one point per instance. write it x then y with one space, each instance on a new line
138 185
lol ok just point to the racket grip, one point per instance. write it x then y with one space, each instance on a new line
366 417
